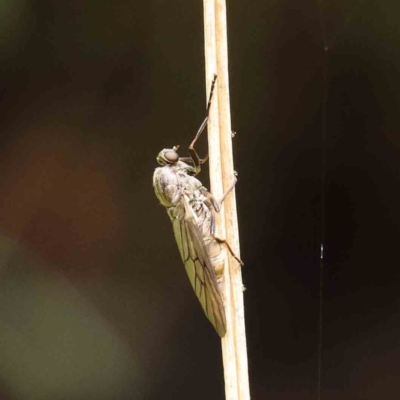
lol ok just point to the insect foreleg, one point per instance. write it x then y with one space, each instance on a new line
203 125
190 160
197 161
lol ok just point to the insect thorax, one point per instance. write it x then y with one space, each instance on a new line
171 182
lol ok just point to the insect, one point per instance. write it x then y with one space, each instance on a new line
191 208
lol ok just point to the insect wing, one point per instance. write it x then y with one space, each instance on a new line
198 265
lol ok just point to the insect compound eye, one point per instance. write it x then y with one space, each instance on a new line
171 156
167 156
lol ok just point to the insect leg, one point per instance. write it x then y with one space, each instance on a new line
219 240
190 160
215 206
203 125
197 161
212 205
229 190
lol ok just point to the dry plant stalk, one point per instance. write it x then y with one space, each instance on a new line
234 349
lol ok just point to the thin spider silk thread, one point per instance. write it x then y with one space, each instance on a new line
326 47
323 198
323 222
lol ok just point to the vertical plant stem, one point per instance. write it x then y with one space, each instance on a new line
234 349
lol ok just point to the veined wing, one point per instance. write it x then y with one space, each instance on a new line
198 265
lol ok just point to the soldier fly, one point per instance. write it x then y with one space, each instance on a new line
191 208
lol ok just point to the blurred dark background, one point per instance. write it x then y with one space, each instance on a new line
94 301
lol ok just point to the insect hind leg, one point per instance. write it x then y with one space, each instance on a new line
233 254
